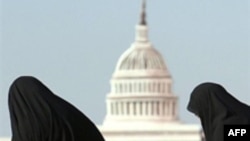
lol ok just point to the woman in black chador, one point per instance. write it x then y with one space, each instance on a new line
216 107
39 115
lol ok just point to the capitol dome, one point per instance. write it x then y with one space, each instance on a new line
142 59
141 104
141 86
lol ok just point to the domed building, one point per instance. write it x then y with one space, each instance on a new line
141 105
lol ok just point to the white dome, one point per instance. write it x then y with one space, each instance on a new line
142 59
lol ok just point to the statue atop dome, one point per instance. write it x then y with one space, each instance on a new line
143 14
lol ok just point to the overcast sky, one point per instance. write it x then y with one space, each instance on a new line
73 46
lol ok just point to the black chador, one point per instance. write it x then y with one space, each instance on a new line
216 107
39 115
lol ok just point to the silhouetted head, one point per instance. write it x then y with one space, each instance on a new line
216 108
201 97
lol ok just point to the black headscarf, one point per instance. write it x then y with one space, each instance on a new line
216 108
39 115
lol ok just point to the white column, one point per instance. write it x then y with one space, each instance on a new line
157 108
161 108
150 108
124 103
171 109
125 86
143 108
153 87
154 108
116 108
131 109
138 108
140 87
149 87
145 87
162 87
127 108
130 87
167 108
135 87
158 87
121 88
120 108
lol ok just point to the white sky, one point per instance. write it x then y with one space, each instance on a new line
73 47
